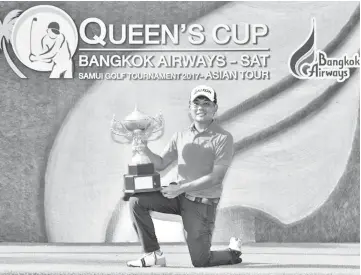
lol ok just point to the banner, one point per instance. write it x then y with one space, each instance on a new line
286 79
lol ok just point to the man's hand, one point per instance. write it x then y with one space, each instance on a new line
141 146
172 191
125 196
34 57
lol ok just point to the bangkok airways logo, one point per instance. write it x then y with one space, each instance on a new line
44 38
307 62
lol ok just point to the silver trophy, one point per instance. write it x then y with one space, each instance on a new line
138 128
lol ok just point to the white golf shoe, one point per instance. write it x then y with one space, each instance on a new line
235 244
156 259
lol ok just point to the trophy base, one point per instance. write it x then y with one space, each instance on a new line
141 169
141 183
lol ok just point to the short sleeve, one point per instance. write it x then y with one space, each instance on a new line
224 150
170 152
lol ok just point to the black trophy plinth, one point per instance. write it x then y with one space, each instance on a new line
141 178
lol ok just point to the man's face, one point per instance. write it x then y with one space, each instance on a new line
202 109
52 34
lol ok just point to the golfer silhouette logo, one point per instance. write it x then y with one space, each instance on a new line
45 38
55 49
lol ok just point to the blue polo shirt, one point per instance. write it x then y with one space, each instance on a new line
198 152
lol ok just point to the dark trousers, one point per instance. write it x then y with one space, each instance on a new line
198 221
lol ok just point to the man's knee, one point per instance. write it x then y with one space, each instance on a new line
203 262
201 257
134 202
137 201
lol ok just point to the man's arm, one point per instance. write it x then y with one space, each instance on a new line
223 159
160 163
53 50
43 44
169 155
207 181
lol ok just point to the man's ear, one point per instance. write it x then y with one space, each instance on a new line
190 116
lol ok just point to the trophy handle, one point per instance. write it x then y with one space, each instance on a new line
156 128
117 128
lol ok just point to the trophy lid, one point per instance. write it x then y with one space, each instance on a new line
137 120
136 115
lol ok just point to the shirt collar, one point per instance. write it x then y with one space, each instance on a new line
209 129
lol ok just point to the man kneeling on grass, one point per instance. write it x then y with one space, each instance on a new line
204 152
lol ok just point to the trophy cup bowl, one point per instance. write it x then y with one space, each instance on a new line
137 121
137 128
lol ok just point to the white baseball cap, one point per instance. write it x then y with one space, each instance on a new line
203 90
